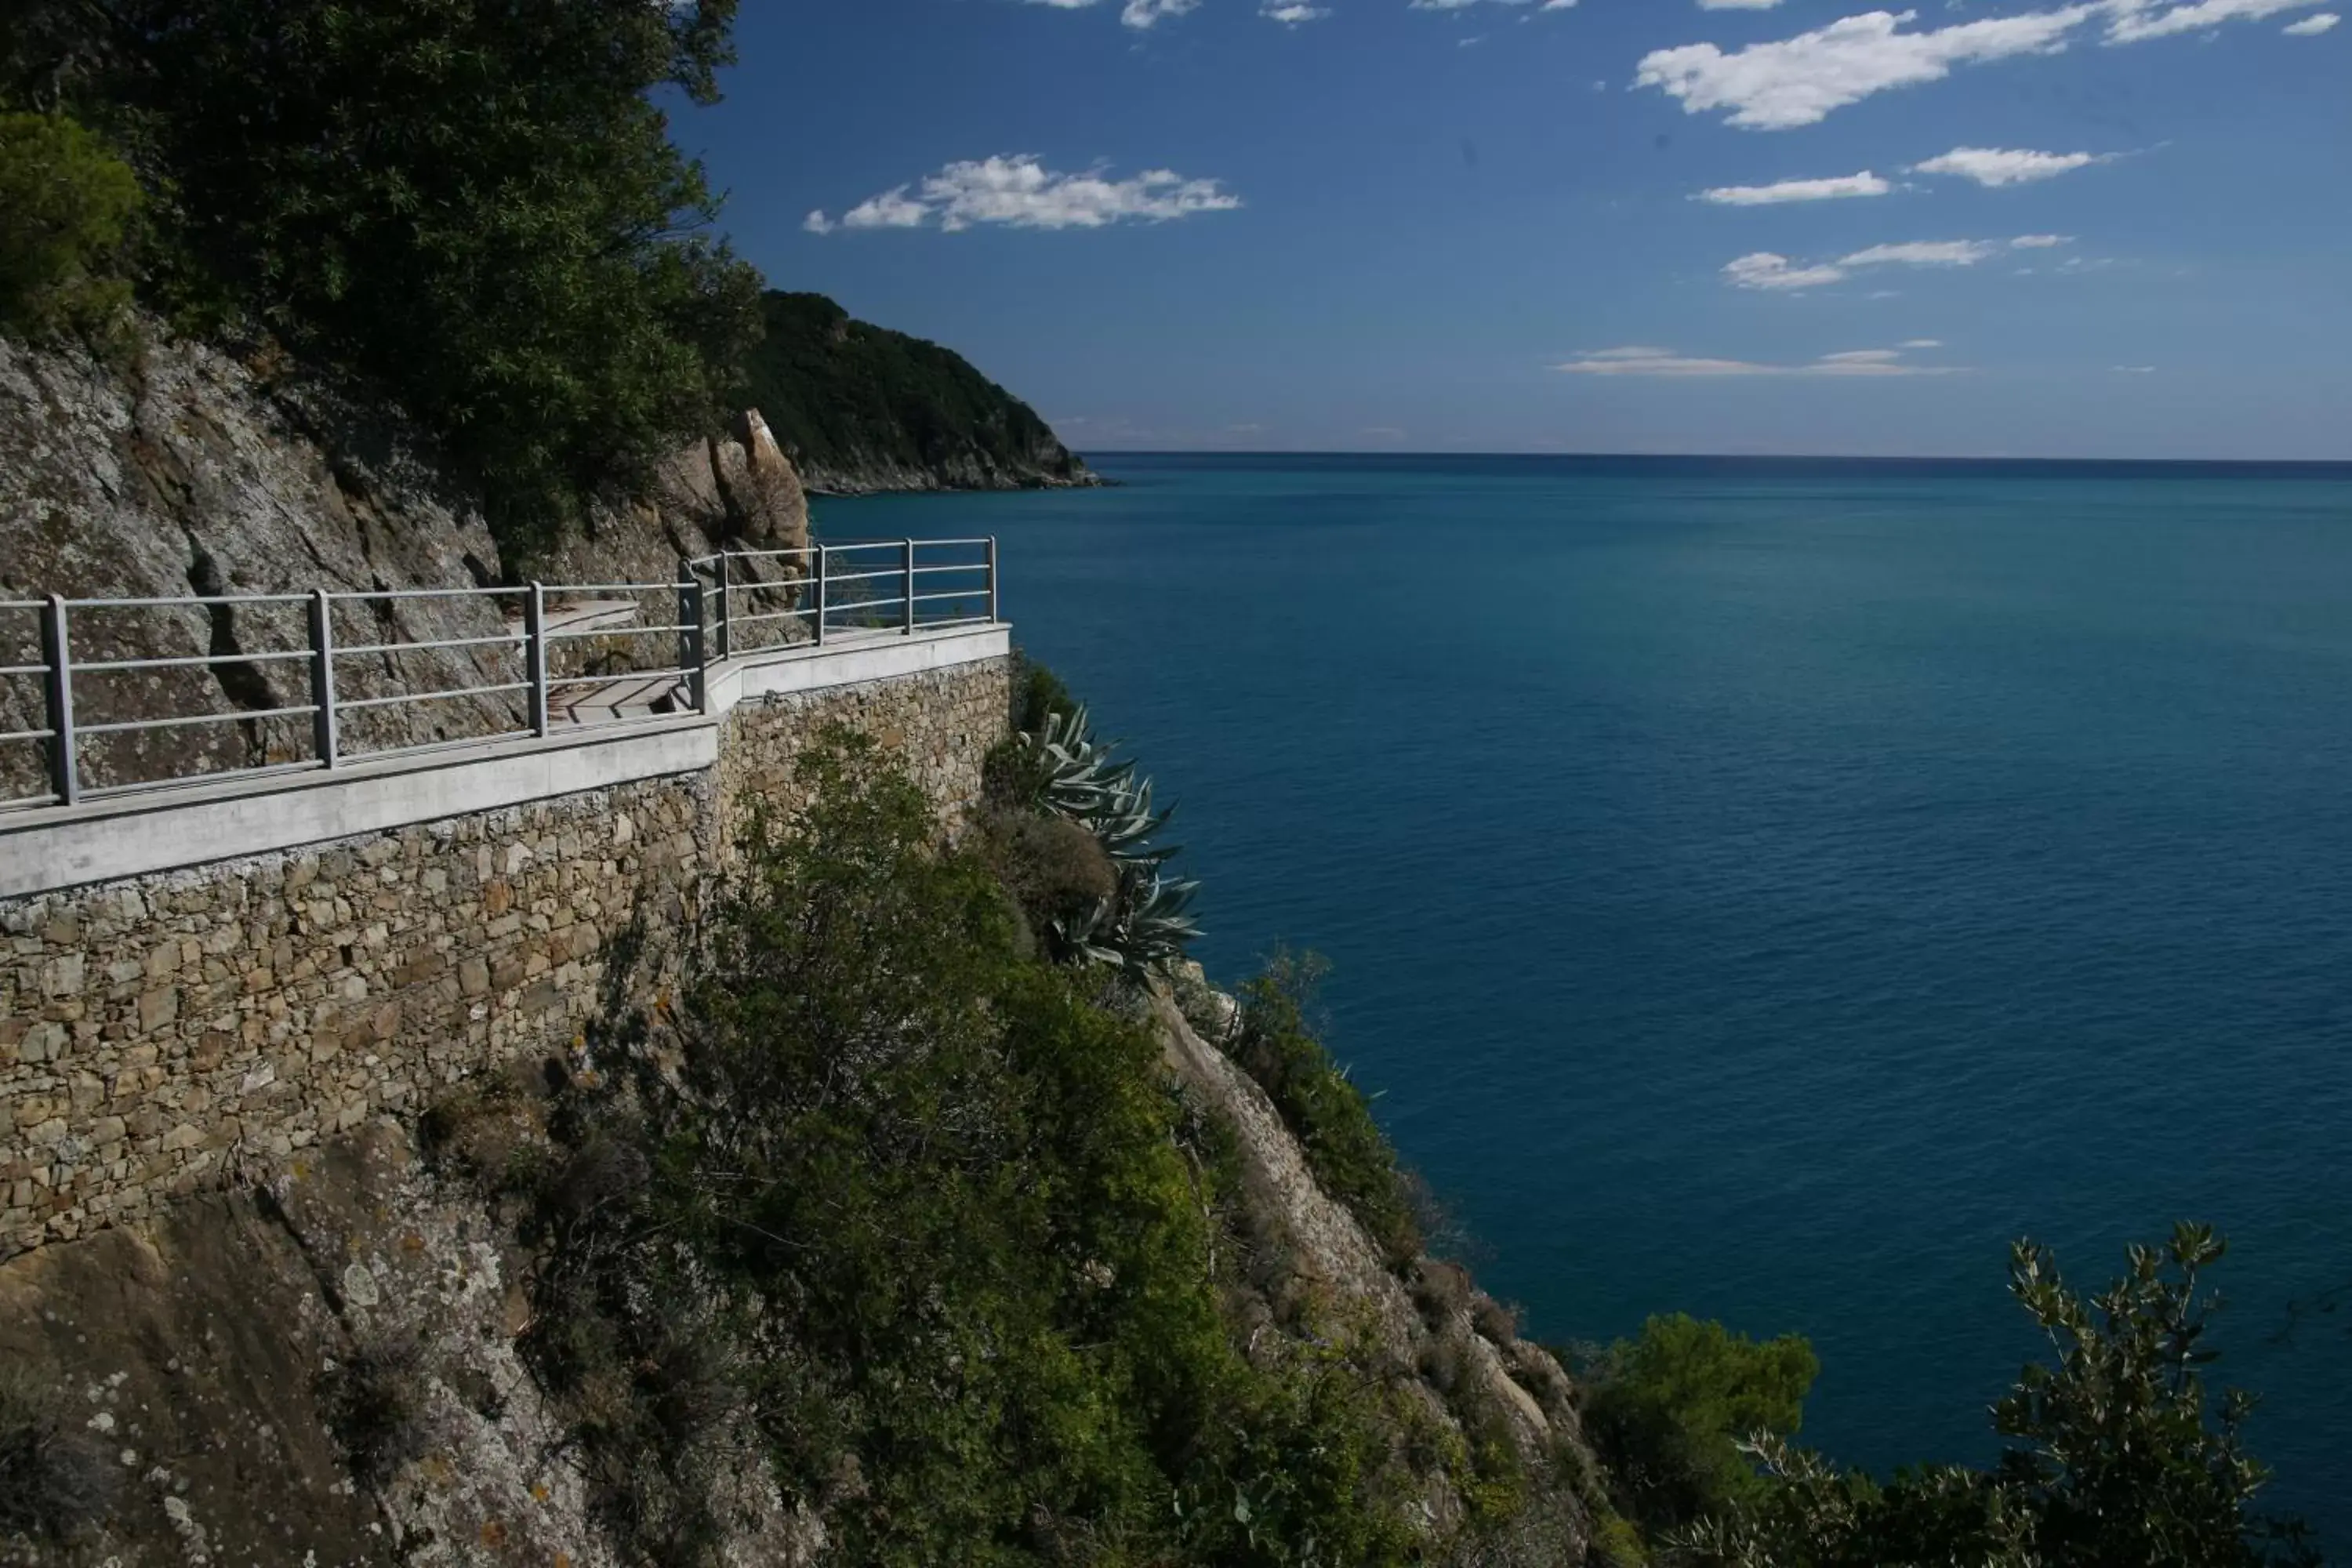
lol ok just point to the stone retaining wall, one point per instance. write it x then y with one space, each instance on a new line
165 1032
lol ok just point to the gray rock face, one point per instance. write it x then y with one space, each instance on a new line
184 474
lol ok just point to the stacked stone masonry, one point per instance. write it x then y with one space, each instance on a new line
165 1033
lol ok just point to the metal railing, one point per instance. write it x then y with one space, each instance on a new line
564 655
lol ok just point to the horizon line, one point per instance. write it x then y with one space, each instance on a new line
2343 462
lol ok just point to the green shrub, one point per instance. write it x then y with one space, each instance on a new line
56 1480
72 206
987 1242
1054 869
1668 1413
2115 1455
1333 1120
1038 694
474 209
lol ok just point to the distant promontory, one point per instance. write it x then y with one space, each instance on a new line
862 409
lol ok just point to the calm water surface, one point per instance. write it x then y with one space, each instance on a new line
1766 889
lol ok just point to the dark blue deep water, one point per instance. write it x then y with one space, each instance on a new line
1764 890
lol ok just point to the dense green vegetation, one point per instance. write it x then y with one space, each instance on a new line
845 399
472 208
72 206
2115 1457
1330 1116
924 1214
1668 1412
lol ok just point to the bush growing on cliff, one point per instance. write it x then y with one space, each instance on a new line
474 207
976 1243
1274 1043
1666 1414
2116 1454
71 207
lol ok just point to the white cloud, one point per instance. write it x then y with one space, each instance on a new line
1290 13
1666 363
1862 184
2311 27
892 209
1800 80
1020 192
2132 22
1921 343
1924 253
2136 370
2004 166
1142 14
1764 269
1767 270
1738 4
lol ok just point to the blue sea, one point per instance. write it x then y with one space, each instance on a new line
1765 888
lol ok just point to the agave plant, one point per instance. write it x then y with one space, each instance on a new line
1146 921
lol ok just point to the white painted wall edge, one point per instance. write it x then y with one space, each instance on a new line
234 817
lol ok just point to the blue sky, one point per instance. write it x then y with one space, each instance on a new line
2109 228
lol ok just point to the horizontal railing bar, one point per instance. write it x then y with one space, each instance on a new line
422 746
207 599
346 704
267 770
13 802
861 576
23 604
105 666
773 615
29 735
634 675
955 567
422 593
556 590
951 594
191 718
614 632
24 669
510 639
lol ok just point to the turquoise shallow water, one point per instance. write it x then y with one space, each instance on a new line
1764 890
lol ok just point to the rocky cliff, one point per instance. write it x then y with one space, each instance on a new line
861 409
338 1368
187 471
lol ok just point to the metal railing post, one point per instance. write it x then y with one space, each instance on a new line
906 571
821 552
534 653
57 652
322 678
690 644
991 579
726 613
